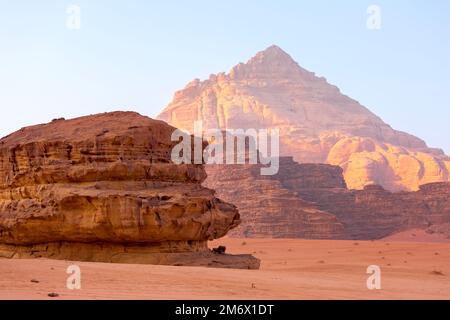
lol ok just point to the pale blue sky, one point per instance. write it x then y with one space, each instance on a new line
133 55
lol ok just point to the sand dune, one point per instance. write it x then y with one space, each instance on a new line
291 269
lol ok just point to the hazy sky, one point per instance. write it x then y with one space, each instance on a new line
133 55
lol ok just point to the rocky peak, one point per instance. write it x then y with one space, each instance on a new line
272 54
317 122
272 62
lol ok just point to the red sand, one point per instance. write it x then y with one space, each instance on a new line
291 269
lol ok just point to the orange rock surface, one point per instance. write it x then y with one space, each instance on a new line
317 122
103 188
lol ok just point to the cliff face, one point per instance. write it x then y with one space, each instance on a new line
317 122
312 201
103 188
375 213
269 208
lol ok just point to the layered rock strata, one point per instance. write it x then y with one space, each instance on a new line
268 208
312 201
104 188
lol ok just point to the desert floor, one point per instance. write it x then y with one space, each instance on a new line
291 269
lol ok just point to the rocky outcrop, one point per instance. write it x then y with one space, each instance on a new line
312 201
374 213
103 188
317 122
270 209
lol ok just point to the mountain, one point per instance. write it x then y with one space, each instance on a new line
317 123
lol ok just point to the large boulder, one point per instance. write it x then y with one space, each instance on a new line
103 188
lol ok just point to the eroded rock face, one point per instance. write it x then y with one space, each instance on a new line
317 122
270 208
312 201
374 213
71 188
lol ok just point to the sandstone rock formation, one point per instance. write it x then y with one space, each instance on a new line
312 201
103 188
317 122
270 209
